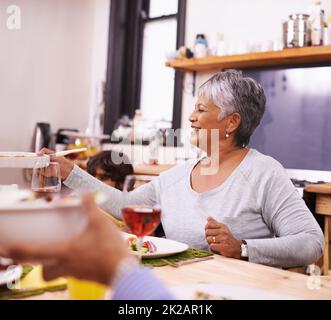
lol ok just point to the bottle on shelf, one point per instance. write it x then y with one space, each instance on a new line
328 31
154 148
136 125
200 46
317 24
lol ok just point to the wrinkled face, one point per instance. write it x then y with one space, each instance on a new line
206 124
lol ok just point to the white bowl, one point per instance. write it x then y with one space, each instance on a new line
23 160
39 222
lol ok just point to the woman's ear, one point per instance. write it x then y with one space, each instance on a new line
233 123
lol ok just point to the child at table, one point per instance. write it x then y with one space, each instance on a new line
103 167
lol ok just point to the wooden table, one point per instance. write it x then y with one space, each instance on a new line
221 270
323 207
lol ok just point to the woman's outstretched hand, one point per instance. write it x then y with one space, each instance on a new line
65 164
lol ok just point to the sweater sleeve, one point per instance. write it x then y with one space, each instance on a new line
81 181
141 284
298 238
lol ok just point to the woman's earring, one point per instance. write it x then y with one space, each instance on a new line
227 135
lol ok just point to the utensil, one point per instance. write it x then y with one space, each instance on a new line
81 135
66 152
181 263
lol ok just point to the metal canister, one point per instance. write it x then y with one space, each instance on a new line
296 31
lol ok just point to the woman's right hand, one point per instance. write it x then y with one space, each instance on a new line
65 164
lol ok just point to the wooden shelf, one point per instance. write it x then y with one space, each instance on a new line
286 57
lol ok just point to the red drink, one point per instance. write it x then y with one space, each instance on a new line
141 220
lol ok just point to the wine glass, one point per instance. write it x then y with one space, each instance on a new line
142 219
46 181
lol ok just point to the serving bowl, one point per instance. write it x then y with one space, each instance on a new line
23 160
40 222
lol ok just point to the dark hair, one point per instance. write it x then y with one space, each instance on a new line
115 170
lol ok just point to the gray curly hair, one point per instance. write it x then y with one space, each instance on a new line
232 92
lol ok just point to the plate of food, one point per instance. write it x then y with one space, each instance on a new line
154 247
23 160
8 275
222 291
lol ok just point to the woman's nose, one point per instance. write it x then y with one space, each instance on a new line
192 117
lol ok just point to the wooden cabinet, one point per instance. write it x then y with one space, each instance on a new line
323 207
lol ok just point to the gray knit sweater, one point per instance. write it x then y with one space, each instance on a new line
257 202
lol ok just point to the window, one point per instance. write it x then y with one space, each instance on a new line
141 32
158 8
157 83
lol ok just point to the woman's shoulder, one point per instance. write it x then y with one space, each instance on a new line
261 170
263 164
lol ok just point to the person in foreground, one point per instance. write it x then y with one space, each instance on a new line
235 201
98 254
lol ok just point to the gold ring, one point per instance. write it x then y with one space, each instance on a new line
214 239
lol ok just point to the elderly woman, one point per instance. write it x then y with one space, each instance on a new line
236 201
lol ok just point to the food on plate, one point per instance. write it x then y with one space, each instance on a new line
200 295
147 247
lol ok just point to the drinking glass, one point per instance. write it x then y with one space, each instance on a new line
46 181
140 218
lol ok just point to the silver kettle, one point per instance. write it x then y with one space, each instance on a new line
41 136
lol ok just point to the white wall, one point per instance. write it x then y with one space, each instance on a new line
49 68
99 59
253 20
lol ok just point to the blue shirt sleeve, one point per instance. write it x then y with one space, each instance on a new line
141 284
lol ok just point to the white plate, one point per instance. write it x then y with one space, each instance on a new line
23 160
164 247
10 275
228 291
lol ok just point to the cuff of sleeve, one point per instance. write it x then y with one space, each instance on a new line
126 266
73 177
251 250
257 252
140 284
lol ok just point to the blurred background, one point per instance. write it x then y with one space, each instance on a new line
97 68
